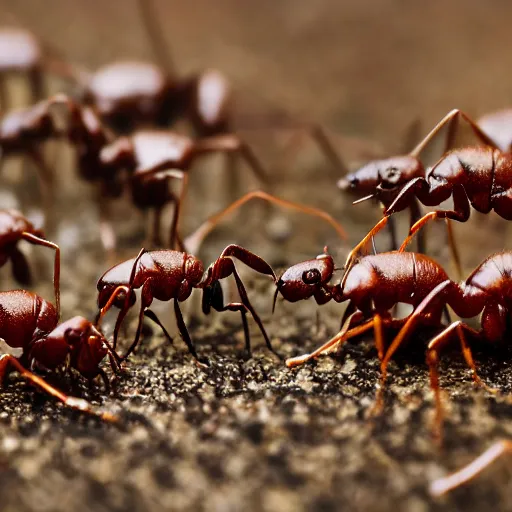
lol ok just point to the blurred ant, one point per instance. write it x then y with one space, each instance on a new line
22 53
399 182
22 133
13 228
172 275
154 157
30 323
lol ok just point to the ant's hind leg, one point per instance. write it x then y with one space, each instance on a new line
69 401
446 484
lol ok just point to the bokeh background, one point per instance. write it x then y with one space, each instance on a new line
365 70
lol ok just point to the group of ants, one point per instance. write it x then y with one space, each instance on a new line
117 123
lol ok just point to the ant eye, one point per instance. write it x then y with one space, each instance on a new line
354 182
392 174
311 276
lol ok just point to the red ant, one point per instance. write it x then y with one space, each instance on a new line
400 181
167 275
29 322
485 292
172 275
13 228
374 285
446 484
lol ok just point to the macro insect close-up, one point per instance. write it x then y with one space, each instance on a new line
255 256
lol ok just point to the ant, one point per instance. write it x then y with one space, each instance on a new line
486 292
446 484
466 173
172 275
24 130
153 157
13 228
29 322
374 285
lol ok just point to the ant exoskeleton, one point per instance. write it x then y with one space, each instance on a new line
486 292
399 182
168 275
374 285
446 484
30 323
13 228
172 275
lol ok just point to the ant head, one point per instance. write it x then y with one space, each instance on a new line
87 345
388 174
303 279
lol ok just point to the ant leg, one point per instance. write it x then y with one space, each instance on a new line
193 242
20 267
152 316
353 253
415 211
56 265
156 35
174 238
36 82
248 305
449 118
247 257
233 143
335 342
186 336
155 239
414 318
46 181
319 136
460 213
452 242
473 469
136 340
107 234
239 306
78 404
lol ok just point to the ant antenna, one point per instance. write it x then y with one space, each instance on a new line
275 300
365 198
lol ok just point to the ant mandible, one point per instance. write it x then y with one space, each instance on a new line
29 322
171 275
400 181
